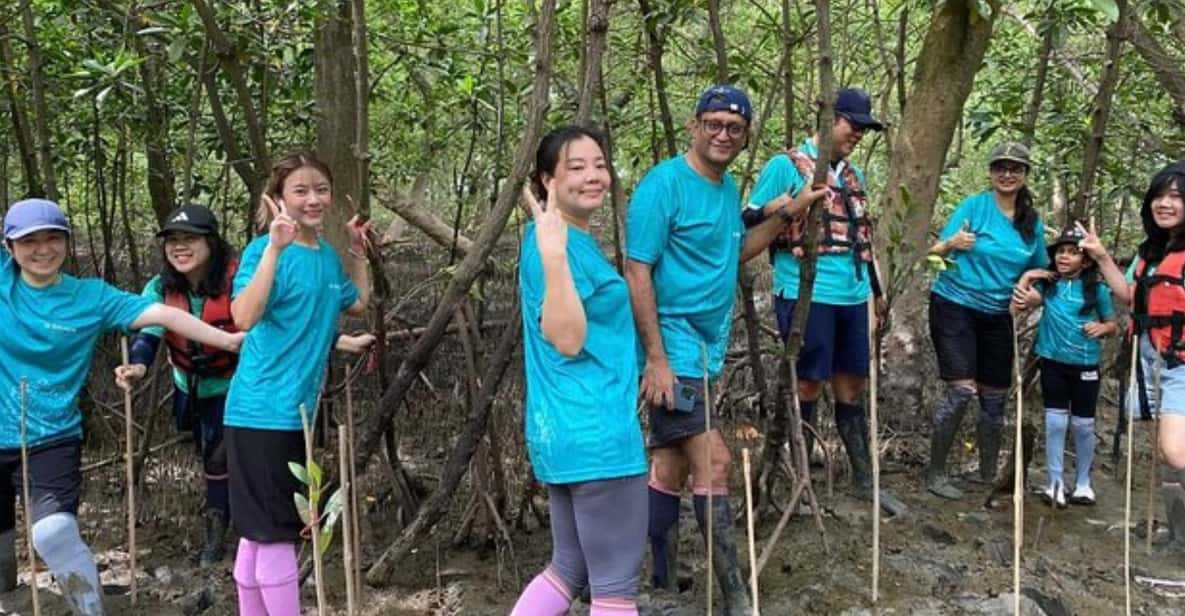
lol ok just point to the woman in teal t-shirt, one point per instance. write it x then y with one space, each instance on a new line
1078 311
289 291
582 427
52 323
993 238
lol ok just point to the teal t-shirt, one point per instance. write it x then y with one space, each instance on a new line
49 338
835 275
581 414
209 386
283 358
689 230
984 276
1059 334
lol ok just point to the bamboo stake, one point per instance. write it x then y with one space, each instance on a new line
25 496
129 464
1152 465
355 535
752 542
343 453
711 480
1127 503
314 523
1018 493
874 444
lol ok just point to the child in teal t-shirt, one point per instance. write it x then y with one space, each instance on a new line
1077 313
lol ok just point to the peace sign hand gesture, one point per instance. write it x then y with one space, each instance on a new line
1090 242
282 231
551 230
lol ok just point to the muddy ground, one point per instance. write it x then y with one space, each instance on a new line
940 558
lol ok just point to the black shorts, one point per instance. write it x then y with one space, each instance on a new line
971 344
1069 387
55 480
261 485
669 426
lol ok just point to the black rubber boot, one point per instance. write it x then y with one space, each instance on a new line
808 411
214 549
725 563
853 431
945 430
1172 492
987 439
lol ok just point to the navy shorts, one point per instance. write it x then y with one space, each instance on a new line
836 340
671 426
203 417
55 480
971 344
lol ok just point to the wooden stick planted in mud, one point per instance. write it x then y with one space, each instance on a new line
355 534
874 444
25 496
129 464
711 480
1127 502
749 516
1018 492
1152 465
343 456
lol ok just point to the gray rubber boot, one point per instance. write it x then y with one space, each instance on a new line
214 548
987 439
725 562
853 431
8 563
1172 492
945 430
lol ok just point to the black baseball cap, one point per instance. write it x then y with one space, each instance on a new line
856 105
190 218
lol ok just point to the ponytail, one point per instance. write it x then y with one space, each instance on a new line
1024 219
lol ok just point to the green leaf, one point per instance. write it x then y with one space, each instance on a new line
936 262
315 474
325 538
335 503
1108 8
983 8
151 30
302 507
298 470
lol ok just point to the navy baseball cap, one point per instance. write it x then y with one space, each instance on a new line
856 105
195 219
725 98
32 215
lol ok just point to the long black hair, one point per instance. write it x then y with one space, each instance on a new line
547 156
1160 242
1089 276
213 284
1024 219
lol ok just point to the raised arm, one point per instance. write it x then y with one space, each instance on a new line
247 307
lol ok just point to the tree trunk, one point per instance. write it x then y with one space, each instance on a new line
161 190
597 29
20 122
37 82
1164 66
1029 129
1099 115
337 117
718 42
951 55
655 39
473 264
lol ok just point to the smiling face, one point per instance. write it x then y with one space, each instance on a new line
845 136
188 253
1008 177
581 178
40 256
1069 260
1168 208
307 193
718 137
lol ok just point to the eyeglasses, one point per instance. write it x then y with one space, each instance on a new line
713 127
1013 170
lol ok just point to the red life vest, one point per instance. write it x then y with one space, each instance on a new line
846 225
201 359
1160 305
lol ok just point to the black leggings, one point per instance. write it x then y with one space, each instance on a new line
1070 387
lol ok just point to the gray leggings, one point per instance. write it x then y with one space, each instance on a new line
598 532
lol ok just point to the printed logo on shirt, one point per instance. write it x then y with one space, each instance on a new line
59 328
1090 375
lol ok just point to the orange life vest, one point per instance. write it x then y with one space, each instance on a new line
845 221
1160 305
201 359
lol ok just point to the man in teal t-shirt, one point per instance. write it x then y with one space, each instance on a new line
684 242
835 343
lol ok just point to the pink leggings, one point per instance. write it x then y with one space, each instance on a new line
267 575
